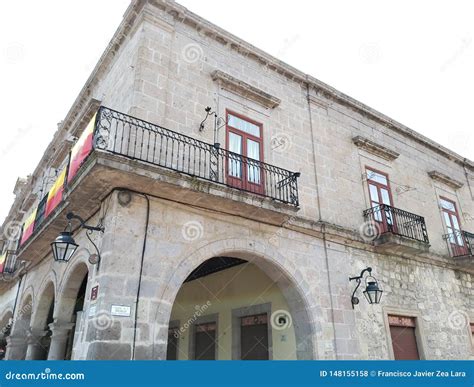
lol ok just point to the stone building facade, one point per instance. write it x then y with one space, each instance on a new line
242 250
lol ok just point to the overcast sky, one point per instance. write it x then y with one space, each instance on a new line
411 60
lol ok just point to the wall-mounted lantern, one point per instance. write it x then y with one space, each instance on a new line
372 292
64 245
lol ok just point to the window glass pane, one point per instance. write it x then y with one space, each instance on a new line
235 162
377 212
385 197
244 126
253 152
447 205
377 177
454 219
447 221
374 195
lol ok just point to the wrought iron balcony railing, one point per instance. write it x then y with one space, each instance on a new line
136 139
460 243
11 264
388 219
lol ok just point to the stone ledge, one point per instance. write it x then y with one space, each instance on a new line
374 148
234 85
445 179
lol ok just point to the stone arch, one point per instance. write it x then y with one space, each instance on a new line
45 301
23 312
70 286
289 279
5 318
17 340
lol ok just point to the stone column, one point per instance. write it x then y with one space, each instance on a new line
16 347
59 339
36 345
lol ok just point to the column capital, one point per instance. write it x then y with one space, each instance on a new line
60 329
35 335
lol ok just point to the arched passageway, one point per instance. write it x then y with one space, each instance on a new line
229 307
17 340
39 337
70 320
6 320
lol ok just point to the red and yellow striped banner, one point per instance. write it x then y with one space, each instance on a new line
28 227
81 149
55 194
2 262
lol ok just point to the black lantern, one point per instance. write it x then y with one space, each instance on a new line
372 292
64 245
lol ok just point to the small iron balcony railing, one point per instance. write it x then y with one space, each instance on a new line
388 219
460 243
11 264
136 139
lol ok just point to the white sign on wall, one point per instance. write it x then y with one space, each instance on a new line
92 310
120 310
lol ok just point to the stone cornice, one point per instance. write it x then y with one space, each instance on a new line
374 148
445 179
234 85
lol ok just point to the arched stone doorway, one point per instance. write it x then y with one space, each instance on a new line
39 338
69 316
17 341
237 305
6 321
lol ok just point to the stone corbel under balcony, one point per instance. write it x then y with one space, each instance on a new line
374 148
445 179
245 90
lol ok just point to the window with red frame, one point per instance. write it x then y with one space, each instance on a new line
453 227
380 193
244 138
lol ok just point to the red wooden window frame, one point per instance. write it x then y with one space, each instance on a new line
459 247
243 182
379 186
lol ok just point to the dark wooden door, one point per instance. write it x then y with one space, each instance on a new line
254 337
403 334
205 341
172 349
244 137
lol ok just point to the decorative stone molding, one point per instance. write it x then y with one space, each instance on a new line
374 148
445 179
245 90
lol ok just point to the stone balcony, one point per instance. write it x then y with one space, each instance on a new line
132 154
396 230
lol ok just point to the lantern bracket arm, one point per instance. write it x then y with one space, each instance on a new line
354 299
70 216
